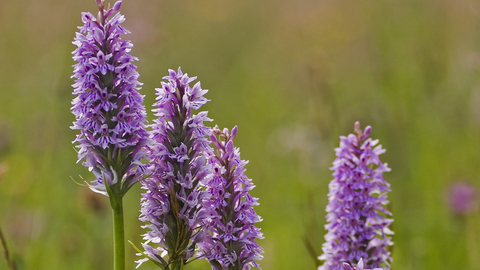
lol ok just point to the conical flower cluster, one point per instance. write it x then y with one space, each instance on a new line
357 219
108 109
231 243
171 205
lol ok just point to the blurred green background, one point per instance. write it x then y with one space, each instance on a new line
294 75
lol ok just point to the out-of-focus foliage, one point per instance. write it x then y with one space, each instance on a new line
293 75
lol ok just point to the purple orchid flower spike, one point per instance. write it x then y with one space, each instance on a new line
172 204
108 109
231 242
357 219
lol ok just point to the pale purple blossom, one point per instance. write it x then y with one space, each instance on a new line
357 219
462 198
171 205
108 109
231 241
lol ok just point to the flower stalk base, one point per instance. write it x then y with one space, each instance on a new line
118 235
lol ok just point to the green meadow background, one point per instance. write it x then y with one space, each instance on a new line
294 75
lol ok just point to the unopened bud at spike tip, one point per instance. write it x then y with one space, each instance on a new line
367 132
116 6
216 130
234 132
357 129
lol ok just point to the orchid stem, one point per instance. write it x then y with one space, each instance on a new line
118 236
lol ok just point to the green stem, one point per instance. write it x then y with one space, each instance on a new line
177 265
118 236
